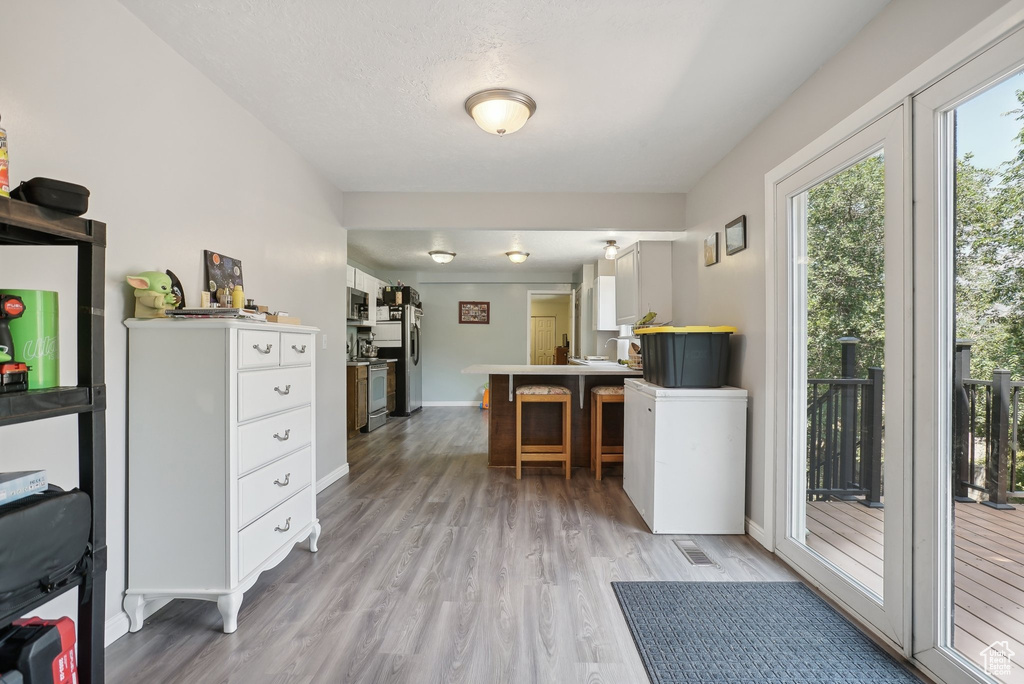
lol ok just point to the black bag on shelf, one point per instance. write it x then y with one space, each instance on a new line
58 195
44 540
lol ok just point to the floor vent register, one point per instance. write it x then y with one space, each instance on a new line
694 553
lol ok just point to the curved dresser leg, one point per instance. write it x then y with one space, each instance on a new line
229 605
134 604
314 535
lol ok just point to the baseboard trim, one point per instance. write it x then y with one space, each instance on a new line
756 533
451 403
329 479
114 628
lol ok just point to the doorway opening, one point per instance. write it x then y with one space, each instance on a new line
550 330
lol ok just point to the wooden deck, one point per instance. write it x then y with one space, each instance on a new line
988 560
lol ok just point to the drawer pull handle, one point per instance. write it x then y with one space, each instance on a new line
287 479
287 390
263 351
287 525
301 350
287 436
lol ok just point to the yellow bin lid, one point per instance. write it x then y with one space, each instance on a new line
686 329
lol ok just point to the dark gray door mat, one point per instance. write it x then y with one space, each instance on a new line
748 632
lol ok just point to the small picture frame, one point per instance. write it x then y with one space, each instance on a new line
711 249
475 312
736 235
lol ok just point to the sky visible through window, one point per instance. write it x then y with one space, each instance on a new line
982 128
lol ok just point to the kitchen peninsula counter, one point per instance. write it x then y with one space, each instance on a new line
543 423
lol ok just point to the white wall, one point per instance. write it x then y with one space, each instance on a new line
90 95
448 347
515 210
901 37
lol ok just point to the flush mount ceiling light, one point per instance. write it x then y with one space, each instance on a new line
517 257
610 250
442 257
500 111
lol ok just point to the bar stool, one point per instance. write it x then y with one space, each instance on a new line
599 451
547 394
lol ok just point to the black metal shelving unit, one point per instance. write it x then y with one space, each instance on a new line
26 224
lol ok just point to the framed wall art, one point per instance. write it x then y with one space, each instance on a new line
736 235
711 249
475 312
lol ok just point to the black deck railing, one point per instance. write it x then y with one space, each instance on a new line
844 433
986 419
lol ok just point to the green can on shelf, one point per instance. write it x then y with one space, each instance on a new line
35 336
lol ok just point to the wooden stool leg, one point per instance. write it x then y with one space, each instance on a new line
599 448
519 438
593 426
567 435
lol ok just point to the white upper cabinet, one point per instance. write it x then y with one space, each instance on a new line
604 303
643 282
350 276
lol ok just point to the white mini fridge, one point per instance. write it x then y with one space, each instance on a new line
684 457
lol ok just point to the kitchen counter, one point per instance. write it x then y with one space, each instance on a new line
545 425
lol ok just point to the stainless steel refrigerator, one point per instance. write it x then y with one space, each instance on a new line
409 370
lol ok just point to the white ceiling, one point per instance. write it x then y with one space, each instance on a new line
632 95
483 251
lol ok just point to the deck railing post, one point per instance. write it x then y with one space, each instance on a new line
962 474
848 415
997 463
871 439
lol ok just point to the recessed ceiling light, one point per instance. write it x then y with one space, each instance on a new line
517 257
500 111
442 257
611 249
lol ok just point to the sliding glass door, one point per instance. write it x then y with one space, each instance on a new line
843 372
969 327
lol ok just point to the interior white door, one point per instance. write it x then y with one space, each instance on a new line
966 613
843 374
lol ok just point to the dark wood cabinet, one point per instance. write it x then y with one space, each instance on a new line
358 380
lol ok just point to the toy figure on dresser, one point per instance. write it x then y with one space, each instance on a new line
153 295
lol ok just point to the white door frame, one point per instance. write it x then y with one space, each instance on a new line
974 41
933 233
891 615
529 303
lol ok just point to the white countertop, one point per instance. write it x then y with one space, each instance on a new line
525 369
247 323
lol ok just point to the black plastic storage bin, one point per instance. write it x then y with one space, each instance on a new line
693 356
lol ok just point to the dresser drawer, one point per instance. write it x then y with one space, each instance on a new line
259 541
259 348
261 393
263 441
260 491
296 349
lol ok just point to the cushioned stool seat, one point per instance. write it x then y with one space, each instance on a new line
544 394
599 451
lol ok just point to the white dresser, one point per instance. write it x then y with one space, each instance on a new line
684 457
221 457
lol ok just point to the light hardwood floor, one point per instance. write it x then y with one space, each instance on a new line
434 568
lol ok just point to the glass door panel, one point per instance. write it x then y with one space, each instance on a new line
969 157
843 364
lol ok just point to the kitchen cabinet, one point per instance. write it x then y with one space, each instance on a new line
684 457
603 299
643 282
372 286
358 380
350 276
222 472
